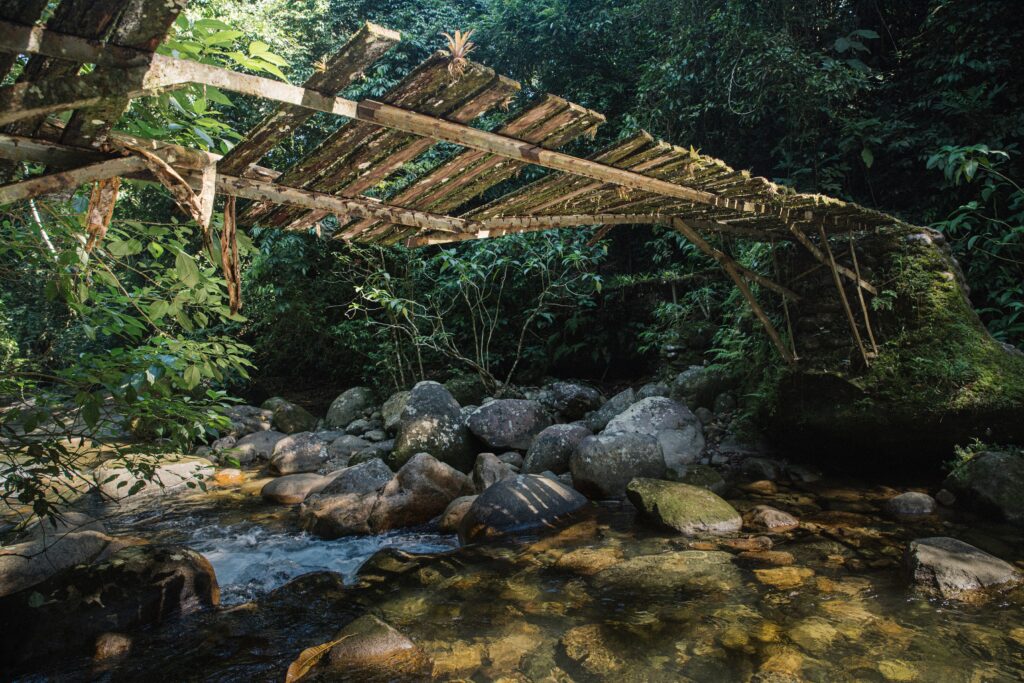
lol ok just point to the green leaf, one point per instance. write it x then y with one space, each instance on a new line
125 247
186 268
192 376
867 156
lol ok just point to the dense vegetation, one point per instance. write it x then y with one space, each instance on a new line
911 107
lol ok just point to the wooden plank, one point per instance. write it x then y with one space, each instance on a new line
358 54
142 25
842 297
820 256
69 180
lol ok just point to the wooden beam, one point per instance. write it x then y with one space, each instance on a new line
24 12
842 297
860 297
803 239
735 272
65 180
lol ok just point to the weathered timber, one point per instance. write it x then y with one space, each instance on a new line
69 180
24 12
142 25
842 296
365 47
818 254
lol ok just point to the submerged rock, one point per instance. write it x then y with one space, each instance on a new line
370 645
526 502
604 464
431 422
552 449
349 406
994 482
952 569
690 510
302 452
667 572
136 586
510 423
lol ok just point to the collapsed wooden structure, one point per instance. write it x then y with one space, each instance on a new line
639 180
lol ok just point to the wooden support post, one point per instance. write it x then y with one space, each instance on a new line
785 305
818 254
732 269
842 297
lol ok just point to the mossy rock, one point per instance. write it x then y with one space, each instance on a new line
690 510
939 379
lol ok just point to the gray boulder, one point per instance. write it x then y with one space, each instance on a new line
569 400
681 447
704 476
391 411
248 420
651 416
598 420
341 450
603 465
488 470
553 448
512 459
992 481
653 389
509 423
380 449
453 514
698 386
431 422
952 569
349 406
289 417
526 502
302 452
760 469
911 504
365 477
690 510
171 476
26 564
255 447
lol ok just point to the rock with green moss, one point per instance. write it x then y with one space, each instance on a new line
939 378
690 510
992 481
703 476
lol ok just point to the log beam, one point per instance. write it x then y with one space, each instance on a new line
65 180
803 239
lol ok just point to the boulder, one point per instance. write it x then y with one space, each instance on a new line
512 459
698 385
705 416
769 519
653 389
292 489
453 514
466 389
431 422
301 452
952 569
992 481
391 411
569 400
509 423
134 587
911 504
598 420
363 425
690 510
488 470
23 565
369 646
366 477
526 502
375 435
420 491
256 446
725 403
603 465
681 447
341 450
553 448
118 482
760 469
380 449
652 416
350 405
247 420
704 476
289 417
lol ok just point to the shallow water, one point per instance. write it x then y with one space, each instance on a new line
605 599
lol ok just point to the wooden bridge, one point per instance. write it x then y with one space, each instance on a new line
638 180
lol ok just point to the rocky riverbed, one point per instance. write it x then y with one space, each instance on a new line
558 535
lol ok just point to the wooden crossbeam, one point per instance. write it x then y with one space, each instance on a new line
843 298
735 272
63 180
803 239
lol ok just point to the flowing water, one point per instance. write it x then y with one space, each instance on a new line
604 599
